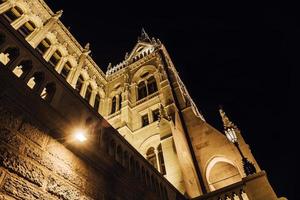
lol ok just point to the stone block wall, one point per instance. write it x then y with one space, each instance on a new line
35 166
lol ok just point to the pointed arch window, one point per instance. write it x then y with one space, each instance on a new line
161 160
142 90
151 157
97 102
35 81
113 104
48 92
43 46
79 83
12 54
23 68
151 84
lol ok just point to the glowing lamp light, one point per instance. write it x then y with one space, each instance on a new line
231 135
80 135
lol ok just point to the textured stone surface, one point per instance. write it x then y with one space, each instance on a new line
8 118
20 189
8 137
55 165
62 189
33 133
20 166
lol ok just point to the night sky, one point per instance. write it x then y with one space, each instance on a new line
240 56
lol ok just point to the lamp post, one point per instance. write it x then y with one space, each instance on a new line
230 132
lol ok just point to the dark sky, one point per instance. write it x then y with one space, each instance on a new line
240 56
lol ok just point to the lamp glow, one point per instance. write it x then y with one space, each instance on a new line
80 135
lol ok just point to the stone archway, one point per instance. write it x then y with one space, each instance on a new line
221 172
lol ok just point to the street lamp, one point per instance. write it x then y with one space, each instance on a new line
230 132
80 135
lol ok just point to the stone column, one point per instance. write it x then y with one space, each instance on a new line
37 36
50 52
61 63
93 96
20 21
81 62
83 88
189 173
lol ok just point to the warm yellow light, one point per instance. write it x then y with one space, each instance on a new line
80 135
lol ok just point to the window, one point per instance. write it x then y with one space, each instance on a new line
161 160
151 157
48 92
142 90
145 120
23 68
55 58
43 46
155 115
88 93
97 102
113 105
12 53
13 14
27 28
79 83
151 84
35 81
65 70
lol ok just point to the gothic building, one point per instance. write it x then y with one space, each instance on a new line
143 136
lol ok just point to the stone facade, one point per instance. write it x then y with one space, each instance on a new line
50 85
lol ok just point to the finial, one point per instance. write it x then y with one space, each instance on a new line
86 49
58 14
226 122
109 66
126 55
144 37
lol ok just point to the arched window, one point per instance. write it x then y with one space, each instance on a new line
88 93
13 14
142 90
27 28
48 92
151 157
79 83
35 81
10 54
120 101
97 102
23 68
151 84
113 105
56 56
66 70
43 46
161 160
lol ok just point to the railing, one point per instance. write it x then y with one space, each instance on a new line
247 189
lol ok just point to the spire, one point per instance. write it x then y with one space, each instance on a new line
226 122
144 37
